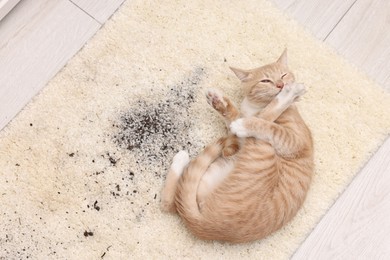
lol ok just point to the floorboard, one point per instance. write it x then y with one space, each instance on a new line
318 16
101 10
6 6
37 38
363 37
357 226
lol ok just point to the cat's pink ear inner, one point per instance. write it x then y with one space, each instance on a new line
243 75
283 58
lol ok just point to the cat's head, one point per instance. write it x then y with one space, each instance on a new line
262 84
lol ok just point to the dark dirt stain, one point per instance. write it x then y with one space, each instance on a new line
112 160
131 175
154 131
88 233
95 206
108 249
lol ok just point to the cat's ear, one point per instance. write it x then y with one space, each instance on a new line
283 58
243 75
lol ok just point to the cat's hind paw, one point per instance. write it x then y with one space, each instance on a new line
216 100
180 161
238 128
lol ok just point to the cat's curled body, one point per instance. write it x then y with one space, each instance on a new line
253 181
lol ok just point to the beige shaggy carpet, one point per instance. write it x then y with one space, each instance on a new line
82 166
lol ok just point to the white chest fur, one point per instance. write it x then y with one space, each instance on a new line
248 109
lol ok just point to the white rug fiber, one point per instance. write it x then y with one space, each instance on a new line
82 166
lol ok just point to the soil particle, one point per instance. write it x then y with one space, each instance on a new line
88 233
112 160
95 206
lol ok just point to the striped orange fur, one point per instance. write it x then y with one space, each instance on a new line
253 181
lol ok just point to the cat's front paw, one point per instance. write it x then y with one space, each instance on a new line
216 100
298 90
292 92
238 128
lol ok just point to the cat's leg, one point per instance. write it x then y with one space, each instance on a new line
223 105
214 176
284 140
287 96
229 112
179 163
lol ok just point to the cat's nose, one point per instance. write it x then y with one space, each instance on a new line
279 84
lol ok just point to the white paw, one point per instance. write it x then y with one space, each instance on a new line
291 92
237 127
215 97
299 89
180 161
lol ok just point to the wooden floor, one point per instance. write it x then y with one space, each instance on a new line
38 37
358 225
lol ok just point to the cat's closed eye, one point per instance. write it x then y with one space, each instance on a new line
284 75
266 81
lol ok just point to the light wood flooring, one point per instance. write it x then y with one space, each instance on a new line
358 224
38 37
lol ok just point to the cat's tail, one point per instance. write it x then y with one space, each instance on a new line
186 196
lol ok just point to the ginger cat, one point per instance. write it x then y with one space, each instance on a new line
253 181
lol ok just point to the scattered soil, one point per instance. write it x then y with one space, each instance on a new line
155 131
